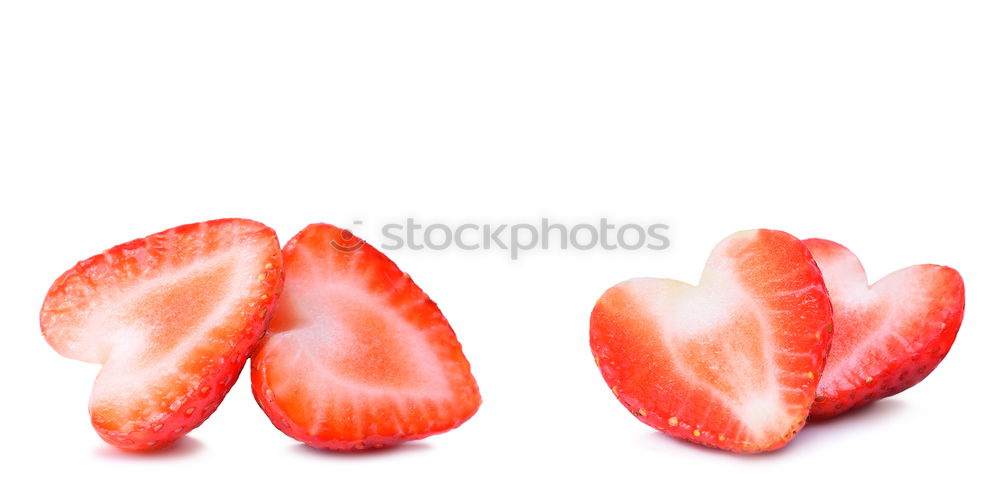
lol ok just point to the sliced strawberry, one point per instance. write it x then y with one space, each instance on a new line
171 318
731 363
357 355
889 335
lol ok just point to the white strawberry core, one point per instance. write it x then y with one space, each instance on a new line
871 323
352 342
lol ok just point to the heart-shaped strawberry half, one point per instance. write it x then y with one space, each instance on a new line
172 318
889 335
733 362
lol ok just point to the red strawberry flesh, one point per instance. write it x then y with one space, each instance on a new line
731 363
171 318
357 355
890 335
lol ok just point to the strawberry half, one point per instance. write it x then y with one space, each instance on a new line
731 363
889 335
171 318
357 355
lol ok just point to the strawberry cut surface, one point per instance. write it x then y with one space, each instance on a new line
889 335
731 363
171 318
357 356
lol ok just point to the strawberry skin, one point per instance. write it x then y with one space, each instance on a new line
171 318
357 356
731 363
890 335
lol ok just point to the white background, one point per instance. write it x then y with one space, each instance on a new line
871 123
